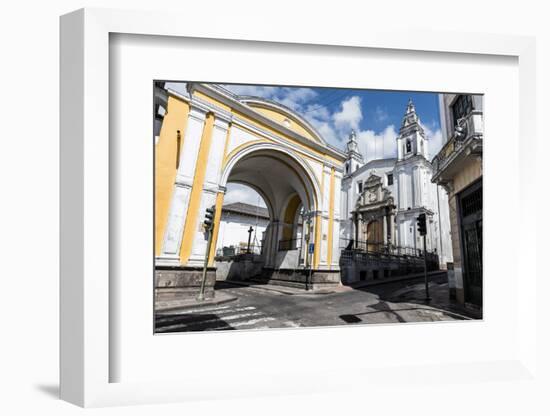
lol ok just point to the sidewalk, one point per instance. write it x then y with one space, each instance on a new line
285 290
414 292
171 305
431 275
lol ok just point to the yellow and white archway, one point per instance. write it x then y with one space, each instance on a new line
210 137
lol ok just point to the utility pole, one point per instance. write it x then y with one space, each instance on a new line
422 229
209 226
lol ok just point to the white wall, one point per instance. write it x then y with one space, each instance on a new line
234 230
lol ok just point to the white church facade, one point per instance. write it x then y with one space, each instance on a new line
381 199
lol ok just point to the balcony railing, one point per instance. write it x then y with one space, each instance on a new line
466 136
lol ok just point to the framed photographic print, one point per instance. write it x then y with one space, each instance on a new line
281 213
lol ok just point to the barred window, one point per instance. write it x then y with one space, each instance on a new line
462 107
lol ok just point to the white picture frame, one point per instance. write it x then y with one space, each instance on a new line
86 304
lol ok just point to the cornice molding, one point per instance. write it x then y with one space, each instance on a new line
232 101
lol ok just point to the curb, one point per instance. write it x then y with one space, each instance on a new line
207 302
397 279
271 288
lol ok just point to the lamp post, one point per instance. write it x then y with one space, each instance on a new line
307 218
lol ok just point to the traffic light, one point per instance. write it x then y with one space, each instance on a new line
209 218
421 223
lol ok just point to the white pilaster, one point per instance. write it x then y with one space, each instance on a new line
323 259
182 188
335 263
210 188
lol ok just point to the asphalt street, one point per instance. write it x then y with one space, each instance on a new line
259 308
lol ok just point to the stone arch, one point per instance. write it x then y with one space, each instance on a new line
299 165
286 182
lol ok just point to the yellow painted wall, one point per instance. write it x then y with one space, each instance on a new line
318 224
211 100
290 215
280 118
289 139
217 218
165 164
191 221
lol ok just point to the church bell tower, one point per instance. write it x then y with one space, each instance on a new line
411 140
354 159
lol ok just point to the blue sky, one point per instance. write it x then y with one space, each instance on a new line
375 116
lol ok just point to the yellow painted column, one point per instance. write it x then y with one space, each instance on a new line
166 155
317 249
217 220
196 190
330 218
318 222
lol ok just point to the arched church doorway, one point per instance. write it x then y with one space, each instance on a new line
374 235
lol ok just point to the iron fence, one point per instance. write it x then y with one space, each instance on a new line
237 250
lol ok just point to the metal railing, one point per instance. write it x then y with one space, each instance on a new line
380 248
238 250
463 134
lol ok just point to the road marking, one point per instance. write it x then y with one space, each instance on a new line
219 313
186 311
254 321
225 319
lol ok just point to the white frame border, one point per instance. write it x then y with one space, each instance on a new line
84 233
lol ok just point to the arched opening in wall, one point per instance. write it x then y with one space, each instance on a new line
289 191
243 221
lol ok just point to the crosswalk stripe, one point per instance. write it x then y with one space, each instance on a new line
208 321
220 314
254 321
186 311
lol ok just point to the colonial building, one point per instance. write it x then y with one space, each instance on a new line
239 224
458 168
207 137
382 199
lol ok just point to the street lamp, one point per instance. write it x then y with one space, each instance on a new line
307 218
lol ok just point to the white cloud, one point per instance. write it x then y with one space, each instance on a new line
294 98
253 90
380 114
377 146
350 115
335 127
242 193
435 139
